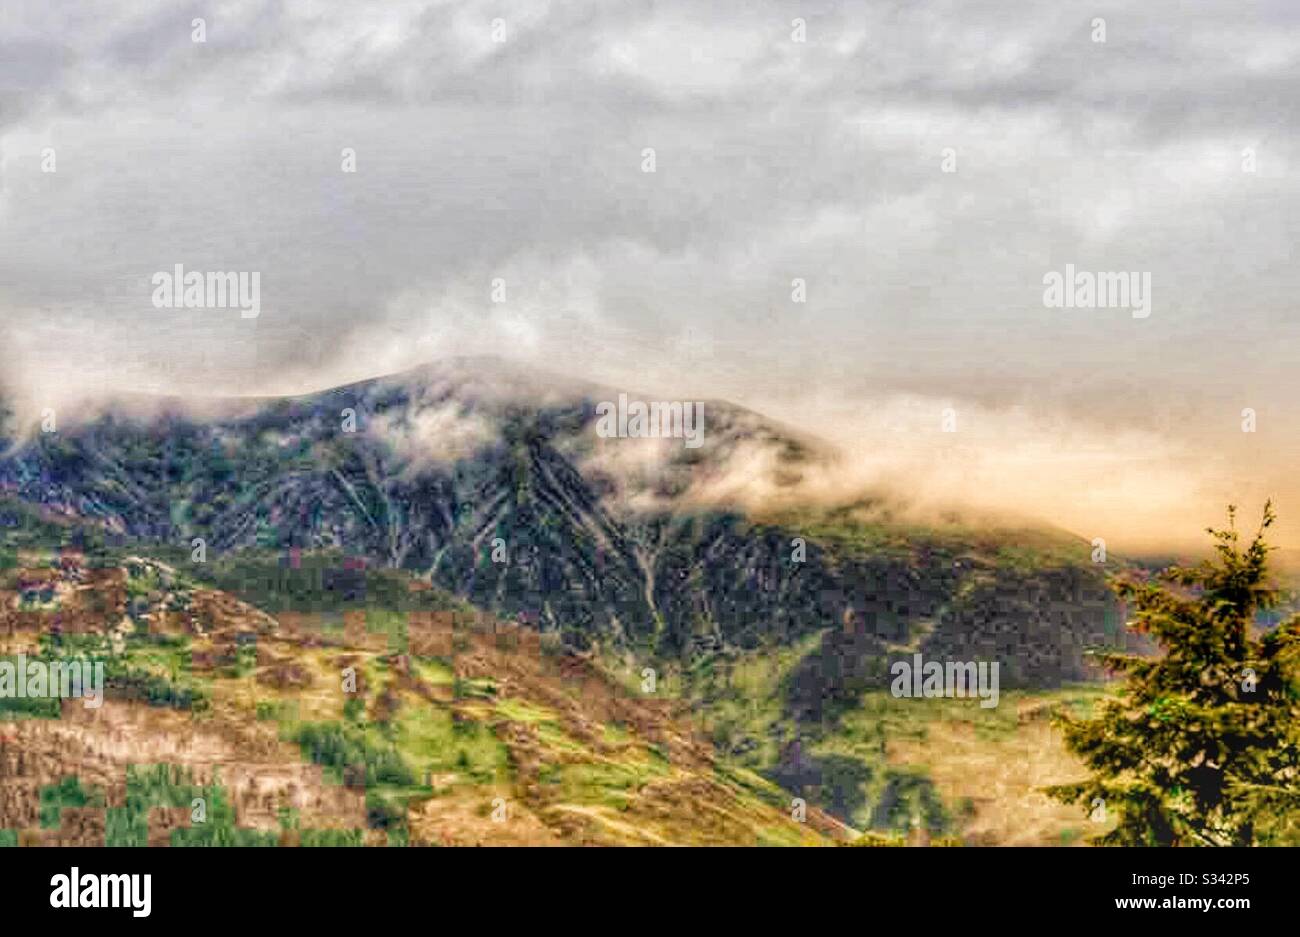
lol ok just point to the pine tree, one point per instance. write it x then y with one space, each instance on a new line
1202 744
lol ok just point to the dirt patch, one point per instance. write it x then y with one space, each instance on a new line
1002 781
260 773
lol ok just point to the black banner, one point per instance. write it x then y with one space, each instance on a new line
599 887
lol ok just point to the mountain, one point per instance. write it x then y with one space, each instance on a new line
608 540
490 482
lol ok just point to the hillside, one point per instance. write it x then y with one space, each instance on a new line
461 729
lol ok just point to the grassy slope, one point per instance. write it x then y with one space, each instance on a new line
459 731
893 764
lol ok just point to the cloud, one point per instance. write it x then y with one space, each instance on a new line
775 160
433 435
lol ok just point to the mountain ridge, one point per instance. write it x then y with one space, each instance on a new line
514 503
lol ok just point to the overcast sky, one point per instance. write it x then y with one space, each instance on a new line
775 159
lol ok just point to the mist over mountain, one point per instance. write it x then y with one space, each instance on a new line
493 483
